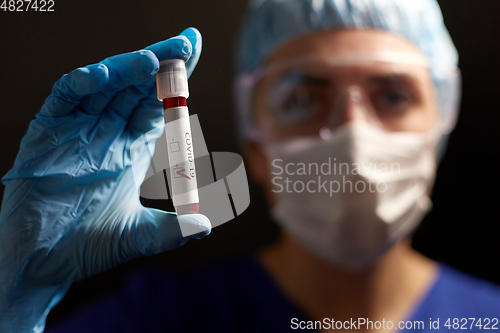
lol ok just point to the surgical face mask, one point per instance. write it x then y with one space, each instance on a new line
350 197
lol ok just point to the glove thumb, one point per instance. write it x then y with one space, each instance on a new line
159 231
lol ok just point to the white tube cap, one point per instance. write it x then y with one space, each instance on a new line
171 79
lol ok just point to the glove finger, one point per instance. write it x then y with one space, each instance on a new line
95 103
124 100
178 47
194 37
148 115
130 69
70 88
127 101
131 78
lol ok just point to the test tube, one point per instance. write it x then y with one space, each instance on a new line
172 89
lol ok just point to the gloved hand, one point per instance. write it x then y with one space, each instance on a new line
71 206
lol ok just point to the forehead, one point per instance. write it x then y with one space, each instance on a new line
330 42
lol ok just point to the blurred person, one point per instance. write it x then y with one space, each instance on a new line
344 108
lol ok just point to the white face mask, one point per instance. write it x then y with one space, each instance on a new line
348 199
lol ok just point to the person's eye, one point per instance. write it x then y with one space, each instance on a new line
297 105
297 98
395 99
302 104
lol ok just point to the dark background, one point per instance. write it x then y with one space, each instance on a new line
36 48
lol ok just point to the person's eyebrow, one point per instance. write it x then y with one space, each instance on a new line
391 78
317 81
305 78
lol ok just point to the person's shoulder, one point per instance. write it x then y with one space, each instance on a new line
456 294
465 285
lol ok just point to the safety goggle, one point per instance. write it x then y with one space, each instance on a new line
311 96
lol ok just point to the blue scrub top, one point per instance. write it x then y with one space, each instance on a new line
240 296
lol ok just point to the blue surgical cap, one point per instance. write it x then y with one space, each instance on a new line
269 24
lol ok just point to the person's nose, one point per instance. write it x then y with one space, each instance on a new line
349 107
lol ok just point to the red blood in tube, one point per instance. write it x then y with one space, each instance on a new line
173 102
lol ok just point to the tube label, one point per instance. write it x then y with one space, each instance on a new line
184 188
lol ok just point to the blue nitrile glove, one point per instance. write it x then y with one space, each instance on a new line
71 206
